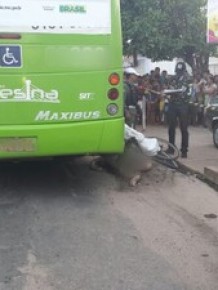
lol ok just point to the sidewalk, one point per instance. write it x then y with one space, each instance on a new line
202 153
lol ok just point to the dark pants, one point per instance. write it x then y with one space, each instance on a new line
193 111
180 113
200 115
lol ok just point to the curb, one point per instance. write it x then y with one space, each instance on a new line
184 169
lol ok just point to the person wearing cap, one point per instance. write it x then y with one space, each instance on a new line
130 96
178 109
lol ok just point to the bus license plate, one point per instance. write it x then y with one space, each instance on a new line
17 144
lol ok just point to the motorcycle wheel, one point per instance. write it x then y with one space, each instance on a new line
215 135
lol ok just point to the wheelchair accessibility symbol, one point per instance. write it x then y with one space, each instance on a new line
10 56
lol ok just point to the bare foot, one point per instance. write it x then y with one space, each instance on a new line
96 165
135 180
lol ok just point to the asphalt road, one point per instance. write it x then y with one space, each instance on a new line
66 227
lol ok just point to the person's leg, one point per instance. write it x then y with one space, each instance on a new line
195 112
148 108
190 114
166 108
156 112
200 115
172 122
133 116
183 121
152 113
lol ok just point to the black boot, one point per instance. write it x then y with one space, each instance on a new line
184 155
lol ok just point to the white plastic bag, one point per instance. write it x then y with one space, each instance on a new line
149 146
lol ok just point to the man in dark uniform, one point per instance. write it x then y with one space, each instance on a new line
179 109
130 96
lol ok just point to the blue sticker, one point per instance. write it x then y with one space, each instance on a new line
10 56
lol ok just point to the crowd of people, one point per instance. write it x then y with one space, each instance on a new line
180 99
202 88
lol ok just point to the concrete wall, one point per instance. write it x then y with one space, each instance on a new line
146 65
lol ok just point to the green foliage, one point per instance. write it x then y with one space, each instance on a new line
164 29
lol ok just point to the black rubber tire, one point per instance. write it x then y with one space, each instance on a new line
165 145
215 135
167 161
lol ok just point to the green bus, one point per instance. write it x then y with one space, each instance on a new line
60 78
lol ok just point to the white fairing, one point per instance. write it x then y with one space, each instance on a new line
149 146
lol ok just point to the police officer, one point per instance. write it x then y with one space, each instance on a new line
178 110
